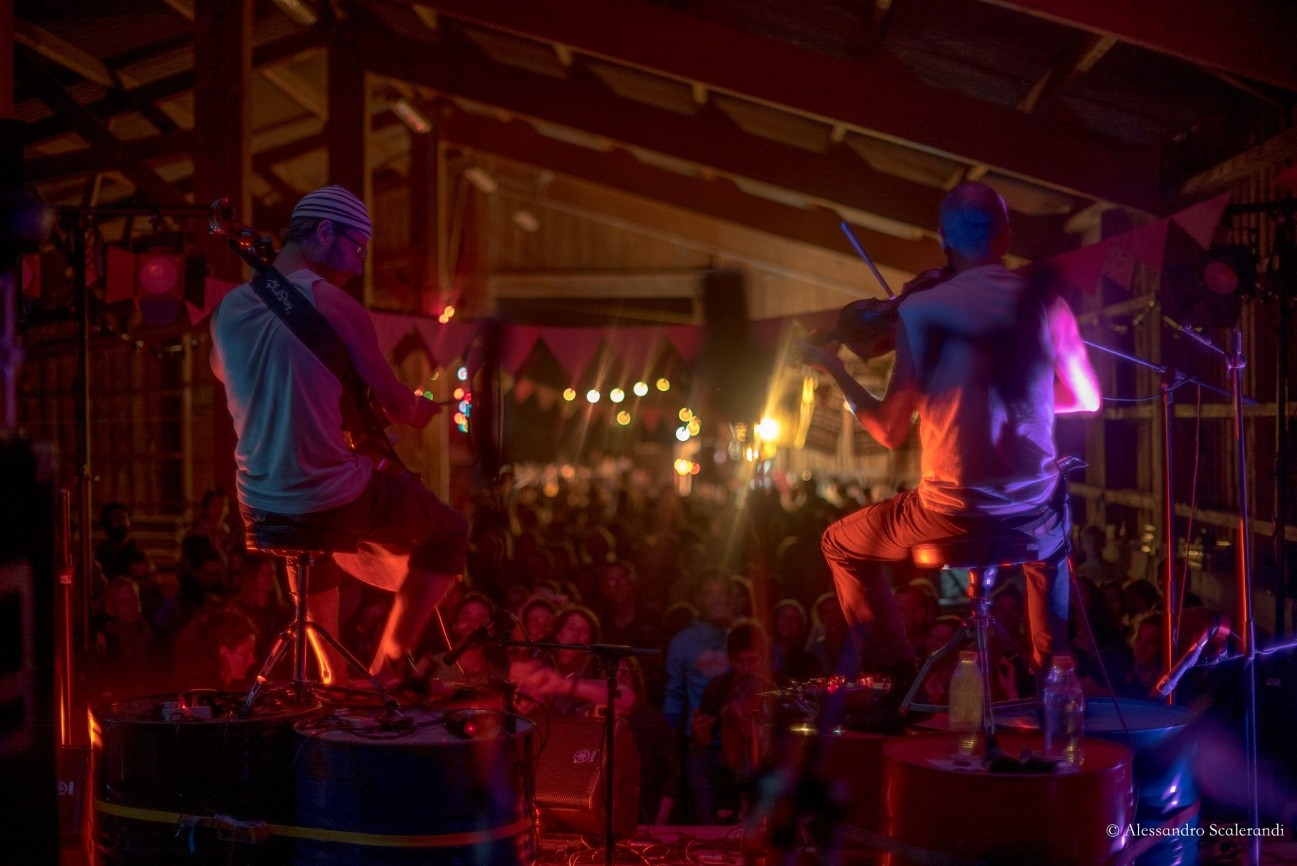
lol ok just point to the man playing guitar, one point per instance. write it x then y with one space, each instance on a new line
293 458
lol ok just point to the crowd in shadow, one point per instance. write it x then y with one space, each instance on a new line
730 593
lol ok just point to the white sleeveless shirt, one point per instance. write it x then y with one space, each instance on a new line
986 408
291 456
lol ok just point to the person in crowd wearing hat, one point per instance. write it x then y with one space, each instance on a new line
292 456
985 359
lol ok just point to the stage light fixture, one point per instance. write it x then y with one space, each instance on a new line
1229 270
409 114
158 273
298 11
481 178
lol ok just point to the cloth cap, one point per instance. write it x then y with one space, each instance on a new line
337 204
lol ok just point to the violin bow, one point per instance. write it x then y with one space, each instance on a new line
846 230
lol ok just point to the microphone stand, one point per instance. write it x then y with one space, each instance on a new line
1235 362
1169 380
609 656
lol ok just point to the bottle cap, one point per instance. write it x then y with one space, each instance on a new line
968 655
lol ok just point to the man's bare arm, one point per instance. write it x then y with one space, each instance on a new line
887 419
1076 387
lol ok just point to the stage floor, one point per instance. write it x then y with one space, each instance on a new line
725 846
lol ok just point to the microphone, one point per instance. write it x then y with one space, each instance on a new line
1171 678
468 641
1193 335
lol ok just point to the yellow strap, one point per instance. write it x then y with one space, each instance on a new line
318 834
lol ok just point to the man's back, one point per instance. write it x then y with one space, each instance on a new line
291 454
983 369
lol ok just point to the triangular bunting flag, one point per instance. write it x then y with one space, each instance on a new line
1081 268
687 340
446 342
519 341
391 327
573 347
196 315
1148 244
1201 220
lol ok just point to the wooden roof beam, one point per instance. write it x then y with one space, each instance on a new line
718 199
110 150
879 94
710 141
1250 38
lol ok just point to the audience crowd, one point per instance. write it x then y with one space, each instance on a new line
734 602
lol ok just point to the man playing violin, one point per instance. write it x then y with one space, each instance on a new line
292 457
985 359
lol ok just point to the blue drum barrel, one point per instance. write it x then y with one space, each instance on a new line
426 787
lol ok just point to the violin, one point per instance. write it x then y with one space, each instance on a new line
868 326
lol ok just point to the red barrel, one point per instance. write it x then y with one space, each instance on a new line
1026 818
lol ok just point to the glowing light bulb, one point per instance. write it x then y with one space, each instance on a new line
623 418
640 389
616 395
664 384
593 395
569 394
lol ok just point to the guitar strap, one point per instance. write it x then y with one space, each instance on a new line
308 324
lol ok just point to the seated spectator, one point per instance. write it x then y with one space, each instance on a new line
829 635
917 602
476 665
217 650
209 534
790 659
724 752
125 657
617 608
262 598
1146 656
537 619
659 756
574 625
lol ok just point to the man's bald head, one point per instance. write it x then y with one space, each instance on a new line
975 222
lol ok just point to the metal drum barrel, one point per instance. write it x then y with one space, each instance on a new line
450 788
1165 790
183 778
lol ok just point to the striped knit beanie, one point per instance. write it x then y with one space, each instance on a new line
338 204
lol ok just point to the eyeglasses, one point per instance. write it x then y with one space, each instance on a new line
360 250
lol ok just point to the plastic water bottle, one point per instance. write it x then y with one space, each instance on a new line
1063 707
965 705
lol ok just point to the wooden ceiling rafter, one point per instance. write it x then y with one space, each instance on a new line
718 199
1237 38
878 95
110 150
709 140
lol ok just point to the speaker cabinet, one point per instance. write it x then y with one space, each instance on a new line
570 778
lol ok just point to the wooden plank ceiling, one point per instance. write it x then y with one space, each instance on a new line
777 118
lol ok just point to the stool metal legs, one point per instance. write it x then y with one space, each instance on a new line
295 636
975 627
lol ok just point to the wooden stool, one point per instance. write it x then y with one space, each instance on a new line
300 546
983 556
